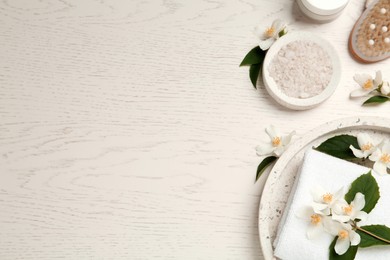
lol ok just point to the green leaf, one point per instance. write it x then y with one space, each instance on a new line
255 56
367 185
254 72
338 146
377 230
282 33
264 164
376 100
350 254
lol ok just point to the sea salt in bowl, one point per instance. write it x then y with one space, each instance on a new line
301 70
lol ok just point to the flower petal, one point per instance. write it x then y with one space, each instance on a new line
354 237
338 207
331 226
346 226
320 208
375 155
341 246
317 192
363 139
338 195
358 153
378 78
264 45
287 139
258 31
340 218
314 231
362 78
385 89
359 93
367 153
386 148
277 25
271 131
264 149
380 168
361 215
359 201
279 150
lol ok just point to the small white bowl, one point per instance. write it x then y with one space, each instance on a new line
301 103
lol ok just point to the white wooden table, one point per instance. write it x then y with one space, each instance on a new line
127 129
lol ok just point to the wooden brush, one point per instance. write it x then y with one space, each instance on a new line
369 40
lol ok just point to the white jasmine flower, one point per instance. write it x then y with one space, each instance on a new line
385 89
323 201
276 145
346 236
343 212
366 145
381 157
367 84
268 36
316 222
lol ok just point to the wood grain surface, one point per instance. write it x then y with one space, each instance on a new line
127 129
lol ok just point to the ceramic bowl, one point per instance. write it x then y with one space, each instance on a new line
301 103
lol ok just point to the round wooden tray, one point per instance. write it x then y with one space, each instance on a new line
281 178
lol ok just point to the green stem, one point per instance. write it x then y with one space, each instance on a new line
373 235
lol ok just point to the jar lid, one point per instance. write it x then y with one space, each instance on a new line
327 7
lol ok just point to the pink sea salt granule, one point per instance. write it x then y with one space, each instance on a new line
301 69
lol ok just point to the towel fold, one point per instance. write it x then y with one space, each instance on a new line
332 174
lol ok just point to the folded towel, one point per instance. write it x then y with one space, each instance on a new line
332 174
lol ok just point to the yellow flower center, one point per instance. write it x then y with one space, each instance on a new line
348 209
368 84
367 147
315 219
276 141
327 198
385 158
269 32
343 234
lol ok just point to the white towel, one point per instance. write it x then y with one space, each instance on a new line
331 173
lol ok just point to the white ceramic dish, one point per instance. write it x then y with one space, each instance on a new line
301 103
279 183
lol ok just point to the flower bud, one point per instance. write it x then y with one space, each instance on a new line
385 89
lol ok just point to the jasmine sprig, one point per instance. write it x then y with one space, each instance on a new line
362 147
381 94
273 148
255 56
378 89
340 216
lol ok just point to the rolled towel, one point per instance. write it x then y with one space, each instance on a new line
319 169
